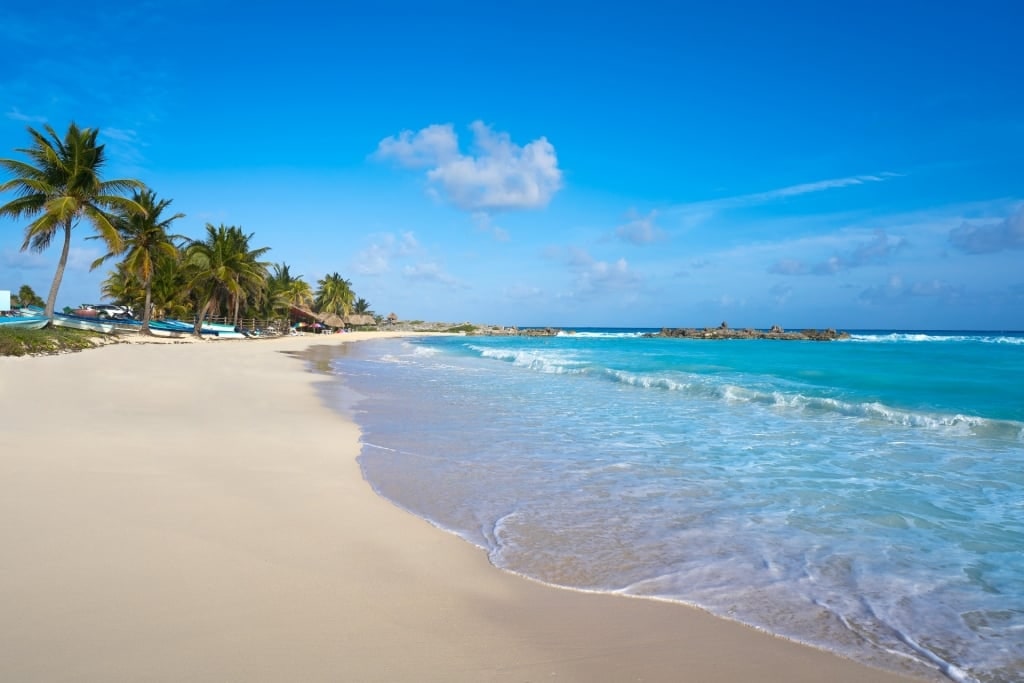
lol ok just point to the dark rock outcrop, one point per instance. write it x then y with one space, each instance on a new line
775 332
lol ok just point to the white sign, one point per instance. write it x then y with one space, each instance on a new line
5 300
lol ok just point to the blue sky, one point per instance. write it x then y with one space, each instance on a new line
808 164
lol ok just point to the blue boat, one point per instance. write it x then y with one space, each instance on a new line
23 322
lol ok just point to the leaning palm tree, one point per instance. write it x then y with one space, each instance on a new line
59 186
334 295
224 271
144 239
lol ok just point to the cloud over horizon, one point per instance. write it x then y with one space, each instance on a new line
872 252
498 175
1005 235
897 288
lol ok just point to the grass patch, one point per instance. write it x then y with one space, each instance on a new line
47 341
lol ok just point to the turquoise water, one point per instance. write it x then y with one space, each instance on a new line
864 496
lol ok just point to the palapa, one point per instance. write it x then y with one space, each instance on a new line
360 320
333 320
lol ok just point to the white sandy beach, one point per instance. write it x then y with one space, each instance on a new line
194 512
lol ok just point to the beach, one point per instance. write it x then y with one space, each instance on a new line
196 512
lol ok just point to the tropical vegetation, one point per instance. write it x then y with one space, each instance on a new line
334 295
144 242
155 272
26 296
60 185
44 342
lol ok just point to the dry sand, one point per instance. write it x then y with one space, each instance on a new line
195 513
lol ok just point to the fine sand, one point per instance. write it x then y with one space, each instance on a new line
195 512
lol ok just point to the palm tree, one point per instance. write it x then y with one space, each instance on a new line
59 186
145 238
27 296
170 287
334 295
285 290
362 307
123 287
224 271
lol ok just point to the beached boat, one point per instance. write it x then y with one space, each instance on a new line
87 324
222 330
219 330
23 322
31 311
161 328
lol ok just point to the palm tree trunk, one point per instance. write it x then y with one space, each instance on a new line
149 297
51 300
199 321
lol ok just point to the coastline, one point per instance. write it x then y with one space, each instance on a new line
197 513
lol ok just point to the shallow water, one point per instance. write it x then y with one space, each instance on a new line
864 496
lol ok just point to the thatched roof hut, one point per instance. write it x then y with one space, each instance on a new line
298 313
333 320
357 319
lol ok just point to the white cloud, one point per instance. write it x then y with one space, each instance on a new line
805 188
121 135
521 291
700 212
875 251
897 288
431 272
594 276
25 260
499 175
80 258
376 258
431 146
16 115
640 230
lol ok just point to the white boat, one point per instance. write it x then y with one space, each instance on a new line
77 322
160 328
219 330
23 322
222 330
31 311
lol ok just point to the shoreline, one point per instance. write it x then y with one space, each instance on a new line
197 512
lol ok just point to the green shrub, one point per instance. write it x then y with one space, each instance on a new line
44 342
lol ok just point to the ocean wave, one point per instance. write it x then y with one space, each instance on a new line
543 361
912 337
951 424
603 335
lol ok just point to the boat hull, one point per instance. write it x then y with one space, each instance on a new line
23 322
87 324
